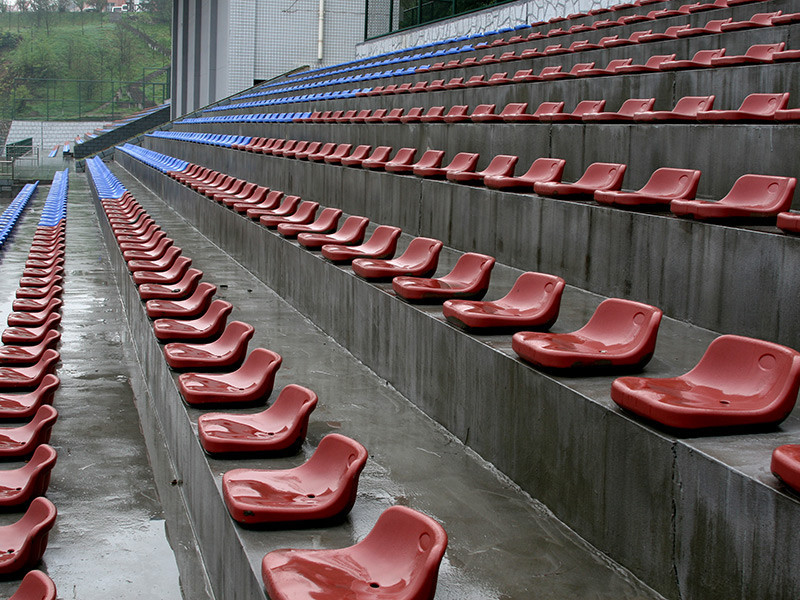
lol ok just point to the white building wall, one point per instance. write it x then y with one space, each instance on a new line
507 15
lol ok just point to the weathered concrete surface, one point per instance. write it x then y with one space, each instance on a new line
502 544
629 489
719 277
109 540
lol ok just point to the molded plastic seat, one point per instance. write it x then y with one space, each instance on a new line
17 377
326 222
701 59
738 382
35 586
457 114
24 405
533 302
785 465
664 186
176 291
625 113
610 68
686 109
752 196
28 355
145 246
545 108
398 560
419 260
542 170
26 540
652 64
402 161
756 20
227 351
40 282
597 177
382 244
287 207
469 279
169 276
376 160
435 114
351 232
501 165
357 157
190 307
484 113
789 222
620 333
16 442
304 214
172 254
280 428
463 161
249 384
413 115
324 487
758 107
20 486
583 108
148 252
28 336
208 326
755 54
34 318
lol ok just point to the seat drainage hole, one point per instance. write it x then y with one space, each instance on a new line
311 495
374 585
724 401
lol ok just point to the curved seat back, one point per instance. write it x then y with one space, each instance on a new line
533 290
502 164
359 154
287 207
382 240
258 367
471 269
545 170
403 549
420 252
672 183
742 366
337 458
764 104
767 192
292 403
548 108
341 151
602 176
431 159
691 105
353 228
514 108
623 322
404 156
631 106
463 161
35 586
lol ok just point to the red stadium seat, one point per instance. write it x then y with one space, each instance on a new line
501 165
399 558
756 54
324 487
484 113
686 109
738 382
620 333
752 196
419 260
172 275
701 59
402 161
463 161
469 279
176 291
757 20
598 176
227 351
653 64
280 428
664 186
381 245
520 116
789 222
326 222
16 442
625 113
26 540
785 465
533 302
542 169
377 160
351 232
249 384
20 486
583 108
35 586
277 205
755 107
20 406
304 214
207 326
358 156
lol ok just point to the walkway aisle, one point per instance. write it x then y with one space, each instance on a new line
109 540
502 544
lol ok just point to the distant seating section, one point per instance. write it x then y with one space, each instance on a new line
739 382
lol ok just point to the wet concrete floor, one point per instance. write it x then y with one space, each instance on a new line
109 540
503 544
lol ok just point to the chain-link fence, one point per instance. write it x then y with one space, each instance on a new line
387 16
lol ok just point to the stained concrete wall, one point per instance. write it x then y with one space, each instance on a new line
691 517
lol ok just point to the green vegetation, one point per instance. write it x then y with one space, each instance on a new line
61 65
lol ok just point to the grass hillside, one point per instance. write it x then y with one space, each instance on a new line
80 65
